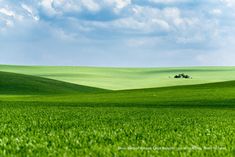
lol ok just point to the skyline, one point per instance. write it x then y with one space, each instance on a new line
128 33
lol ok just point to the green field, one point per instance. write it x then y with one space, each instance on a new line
126 78
90 114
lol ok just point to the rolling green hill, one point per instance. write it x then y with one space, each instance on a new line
19 85
41 116
220 94
126 78
12 83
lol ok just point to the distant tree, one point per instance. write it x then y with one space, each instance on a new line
177 76
182 76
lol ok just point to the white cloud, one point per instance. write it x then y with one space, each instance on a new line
122 3
29 11
147 19
8 17
133 23
91 5
117 5
58 7
47 7
173 15
9 23
7 12
161 23
229 3
5 23
137 19
64 6
216 12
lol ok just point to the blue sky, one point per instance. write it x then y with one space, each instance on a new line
136 33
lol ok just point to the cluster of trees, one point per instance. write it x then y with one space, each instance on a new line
182 76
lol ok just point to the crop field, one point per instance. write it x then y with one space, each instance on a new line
81 111
60 130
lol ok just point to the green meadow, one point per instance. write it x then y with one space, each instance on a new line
86 111
126 78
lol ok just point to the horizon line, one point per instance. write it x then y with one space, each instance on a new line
92 66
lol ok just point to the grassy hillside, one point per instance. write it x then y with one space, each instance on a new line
127 78
212 94
40 116
14 87
194 120
12 83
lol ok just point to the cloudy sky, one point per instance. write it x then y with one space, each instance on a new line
138 33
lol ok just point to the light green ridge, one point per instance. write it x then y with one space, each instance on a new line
126 78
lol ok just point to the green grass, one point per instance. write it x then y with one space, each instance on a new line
61 130
213 94
11 83
126 78
45 117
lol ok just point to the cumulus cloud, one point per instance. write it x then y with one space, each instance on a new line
155 25
47 7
